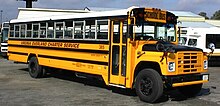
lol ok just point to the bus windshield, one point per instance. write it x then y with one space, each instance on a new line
182 41
155 31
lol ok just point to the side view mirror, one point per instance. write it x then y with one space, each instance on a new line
211 47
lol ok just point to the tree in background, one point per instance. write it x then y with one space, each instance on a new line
216 15
203 14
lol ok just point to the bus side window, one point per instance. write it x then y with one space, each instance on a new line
23 29
182 40
59 30
90 29
43 28
213 38
35 30
102 29
115 61
68 30
12 30
192 42
116 37
124 38
29 30
50 30
78 29
17 30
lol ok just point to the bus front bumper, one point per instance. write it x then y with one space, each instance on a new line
184 80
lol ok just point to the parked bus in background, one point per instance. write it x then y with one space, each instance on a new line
202 38
4 38
135 48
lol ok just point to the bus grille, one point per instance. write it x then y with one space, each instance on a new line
189 62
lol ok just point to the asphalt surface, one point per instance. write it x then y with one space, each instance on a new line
62 88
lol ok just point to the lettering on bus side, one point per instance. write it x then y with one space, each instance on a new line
78 64
39 43
51 44
82 65
101 46
26 43
90 66
71 45
55 44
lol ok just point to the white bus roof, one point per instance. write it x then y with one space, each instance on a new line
42 12
195 24
185 14
100 9
39 17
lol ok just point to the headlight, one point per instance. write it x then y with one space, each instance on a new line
205 64
171 66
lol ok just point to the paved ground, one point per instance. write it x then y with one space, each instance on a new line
17 88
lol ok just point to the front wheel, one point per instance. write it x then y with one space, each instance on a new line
149 85
190 90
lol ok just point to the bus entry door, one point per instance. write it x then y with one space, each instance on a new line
118 53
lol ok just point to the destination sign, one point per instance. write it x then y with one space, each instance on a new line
155 15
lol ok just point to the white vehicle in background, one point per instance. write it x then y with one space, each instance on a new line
4 38
202 38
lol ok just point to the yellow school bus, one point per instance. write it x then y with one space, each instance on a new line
134 48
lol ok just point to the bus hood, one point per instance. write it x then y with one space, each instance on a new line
168 47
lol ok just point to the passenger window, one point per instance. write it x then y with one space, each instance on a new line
12 30
22 32
43 28
90 29
192 42
124 37
115 59
78 29
35 30
213 38
29 30
182 40
50 30
17 29
59 30
68 30
116 36
102 29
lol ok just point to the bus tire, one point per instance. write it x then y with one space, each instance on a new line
35 70
149 85
190 90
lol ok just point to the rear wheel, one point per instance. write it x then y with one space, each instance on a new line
149 85
35 70
190 90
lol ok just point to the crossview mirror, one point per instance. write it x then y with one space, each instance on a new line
211 47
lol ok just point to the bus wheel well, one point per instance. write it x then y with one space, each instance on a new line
30 56
146 64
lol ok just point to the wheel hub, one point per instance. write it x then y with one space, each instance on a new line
33 67
146 86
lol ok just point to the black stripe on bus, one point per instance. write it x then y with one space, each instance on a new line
60 40
4 45
19 53
76 60
63 49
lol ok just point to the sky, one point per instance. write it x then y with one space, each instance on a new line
10 7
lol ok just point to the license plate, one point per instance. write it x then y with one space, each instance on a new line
205 77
